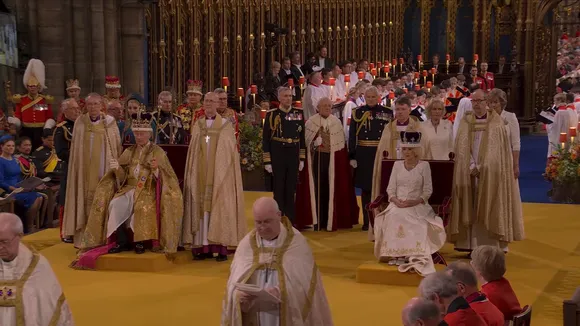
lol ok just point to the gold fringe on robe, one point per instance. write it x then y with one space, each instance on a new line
491 202
145 205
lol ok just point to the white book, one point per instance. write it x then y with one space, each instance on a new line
260 293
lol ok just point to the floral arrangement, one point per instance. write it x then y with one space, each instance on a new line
250 146
563 170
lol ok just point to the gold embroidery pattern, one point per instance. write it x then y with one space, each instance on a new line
401 232
14 289
402 252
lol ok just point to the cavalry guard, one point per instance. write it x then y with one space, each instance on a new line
284 149
33 110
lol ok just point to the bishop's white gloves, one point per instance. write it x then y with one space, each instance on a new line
268 168
113 164
318 141
301 166
353 164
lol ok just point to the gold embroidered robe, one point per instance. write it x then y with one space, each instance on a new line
30 294
213 183
303 299
93 146
486 201
145 225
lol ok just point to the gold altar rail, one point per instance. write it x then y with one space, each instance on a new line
211 39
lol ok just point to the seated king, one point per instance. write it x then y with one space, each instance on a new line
137 202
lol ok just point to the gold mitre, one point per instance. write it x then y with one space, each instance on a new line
72 84
194 86
141 121
34 74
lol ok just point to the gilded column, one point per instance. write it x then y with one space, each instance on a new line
426 6
50 46
528 68
485 30
132 36
451 24
519 30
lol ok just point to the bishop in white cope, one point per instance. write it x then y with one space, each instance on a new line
30 294
275 259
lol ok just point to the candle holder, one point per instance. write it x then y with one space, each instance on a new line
419 61
241 96
346 82
225 83
572 133
253 91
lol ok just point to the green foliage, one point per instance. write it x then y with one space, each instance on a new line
250 146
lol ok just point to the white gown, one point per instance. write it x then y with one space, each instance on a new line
412 232
438 143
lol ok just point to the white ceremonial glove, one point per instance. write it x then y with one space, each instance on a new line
301 166
353 164
318 141
268 168
113 164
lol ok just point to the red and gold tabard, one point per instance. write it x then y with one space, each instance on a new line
189 114
490 80
108 99
33 112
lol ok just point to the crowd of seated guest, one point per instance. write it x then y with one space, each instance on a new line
455 294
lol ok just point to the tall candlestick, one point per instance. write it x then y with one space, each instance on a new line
225 83
241 96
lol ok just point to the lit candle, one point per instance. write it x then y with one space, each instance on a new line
290 83
346 81
417 87
563 139
401 62
572 133
225 83
419 59
424 77
475 58
331 82
433 71
253 91
429 85
416 77
386 69
301 81
241 96
391 98
374 73
297 104
394 65
361 75
371 66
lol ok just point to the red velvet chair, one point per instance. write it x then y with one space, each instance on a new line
442 178
524 318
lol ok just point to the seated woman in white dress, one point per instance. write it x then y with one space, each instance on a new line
408 232
437 133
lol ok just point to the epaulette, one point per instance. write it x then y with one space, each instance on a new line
16 98
49 99
40 148
60 124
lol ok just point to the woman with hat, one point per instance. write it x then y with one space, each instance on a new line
408 232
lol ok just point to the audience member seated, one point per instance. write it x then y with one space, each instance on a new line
421 312
438 133
407 232
489 265
441 288
10 176
467 287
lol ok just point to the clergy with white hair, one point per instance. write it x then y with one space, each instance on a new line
30 294
141 194
273 277
325 195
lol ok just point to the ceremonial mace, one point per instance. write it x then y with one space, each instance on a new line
318 179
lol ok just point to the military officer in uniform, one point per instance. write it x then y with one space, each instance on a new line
33 110
48 165
366 127
284 149
191 111
62 141
168 125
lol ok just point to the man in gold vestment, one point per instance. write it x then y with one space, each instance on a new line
30 294
483 207
213 194
274 259
95 145
148 202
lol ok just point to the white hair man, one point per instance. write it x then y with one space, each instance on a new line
273 272
421 312
29 290
441 288
94 149
365 131
213 188
284 149
327 198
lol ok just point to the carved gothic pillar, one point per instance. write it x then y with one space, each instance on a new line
98 57
81 48
50 29
133 51
111 18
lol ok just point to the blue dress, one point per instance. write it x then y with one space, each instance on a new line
10 175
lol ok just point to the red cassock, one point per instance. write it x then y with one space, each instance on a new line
345 207
484 308
460 313
33 112
501 294
490 80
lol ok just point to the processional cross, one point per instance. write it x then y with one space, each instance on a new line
207 139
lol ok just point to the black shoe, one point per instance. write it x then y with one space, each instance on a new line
365 227
139 248
199 256
221 257
117 249
67 240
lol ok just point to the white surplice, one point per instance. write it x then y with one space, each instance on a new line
347 115
312 95
411 232
562 123
42 298
438 142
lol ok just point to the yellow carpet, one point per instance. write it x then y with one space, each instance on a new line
544 270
